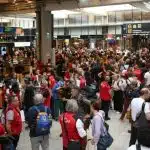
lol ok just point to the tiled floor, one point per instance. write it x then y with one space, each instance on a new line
118 130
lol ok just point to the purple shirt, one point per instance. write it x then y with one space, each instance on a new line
97 126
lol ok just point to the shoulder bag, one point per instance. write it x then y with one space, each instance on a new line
105 140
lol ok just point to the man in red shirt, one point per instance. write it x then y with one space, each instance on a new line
13 119
105 95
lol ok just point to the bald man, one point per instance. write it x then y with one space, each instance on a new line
136 108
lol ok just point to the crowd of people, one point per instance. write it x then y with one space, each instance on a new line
79 93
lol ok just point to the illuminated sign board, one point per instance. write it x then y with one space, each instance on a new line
22 44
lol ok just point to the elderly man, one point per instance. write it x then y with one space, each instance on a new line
73 132
136 108
13 119
39 124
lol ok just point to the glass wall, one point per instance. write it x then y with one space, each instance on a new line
128 15
137 15
145 16
85 19
98 19
110 17
119 16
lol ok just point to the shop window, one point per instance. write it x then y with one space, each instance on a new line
119 16
98 19
128 16
145 15
91 19
85 19
77 19
111 17
136 15
55 21
61 22
71 19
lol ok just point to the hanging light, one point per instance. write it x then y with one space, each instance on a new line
28 1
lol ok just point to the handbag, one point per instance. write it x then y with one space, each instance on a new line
72 145
105 140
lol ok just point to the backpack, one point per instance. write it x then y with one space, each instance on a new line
43 122
143 128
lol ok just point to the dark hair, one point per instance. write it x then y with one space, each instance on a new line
96 105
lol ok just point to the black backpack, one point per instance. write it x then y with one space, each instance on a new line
143 128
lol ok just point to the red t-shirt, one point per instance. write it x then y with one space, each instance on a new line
105 91
82 82
47 102
138 74
67 76
52 81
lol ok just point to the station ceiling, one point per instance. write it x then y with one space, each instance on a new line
26 6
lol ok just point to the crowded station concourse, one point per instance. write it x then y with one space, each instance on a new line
75 79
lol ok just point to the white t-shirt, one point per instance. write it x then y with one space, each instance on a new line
133 147
147 77
136 107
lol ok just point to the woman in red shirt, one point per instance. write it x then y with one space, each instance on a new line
105 95
138 73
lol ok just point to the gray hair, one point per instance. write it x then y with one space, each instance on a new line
72 106
38 98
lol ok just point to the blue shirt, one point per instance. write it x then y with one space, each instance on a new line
55 89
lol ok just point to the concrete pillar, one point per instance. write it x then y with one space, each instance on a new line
45 35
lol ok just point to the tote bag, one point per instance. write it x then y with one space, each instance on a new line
105 140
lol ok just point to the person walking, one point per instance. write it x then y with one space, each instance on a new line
13 119
97 123
39 123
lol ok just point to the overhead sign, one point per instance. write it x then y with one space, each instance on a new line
1 29
136 28
91 36
22 44
63 37
9 30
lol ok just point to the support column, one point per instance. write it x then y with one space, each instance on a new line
45 35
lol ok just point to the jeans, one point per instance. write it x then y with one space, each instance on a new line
56 108
15 140
42 141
